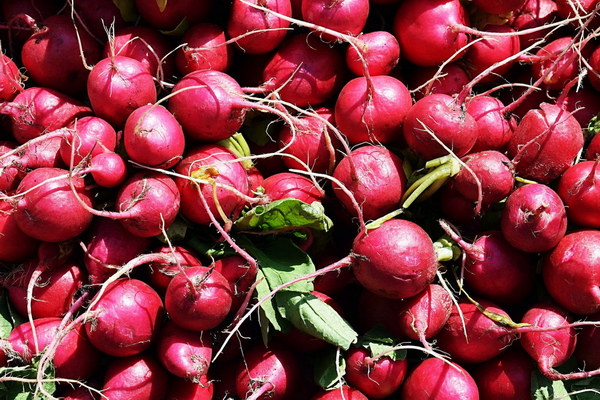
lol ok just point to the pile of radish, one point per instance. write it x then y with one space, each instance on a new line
299 199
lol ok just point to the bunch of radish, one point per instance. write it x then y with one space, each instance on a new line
299 199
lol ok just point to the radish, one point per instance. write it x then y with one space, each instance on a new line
581 103
533 14
395 260
494 129
138 377
344 392
168 16
10 79
184 353
90 137
373 310
267 374
435 379
198 299
593 150
57 54
125 318
204 47
153 137
575 7
381 51
98 14
240 274
545 143
79 393
479 338
161 272
571 272
257 31
594 72
498 6
48 208
107 169
181 389
362 172
534 218
285 185
579 189
372 110
376 377
117 86
507 376
15 245
346 16
450 80
587 342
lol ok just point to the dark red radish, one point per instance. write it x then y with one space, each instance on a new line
108 246
439 117
594 72
89 136
494 129
169 15
9 167
436 379
15 245
208 104
396 260
258 31
425 31
117 86
571 8
184 353
161 272
143 44
380 50
450 80
498 6
213 164
37 110
593 150
57 55
125 318
285 185
534 14
74 357
363 172
37 10
138 377
54 287
534 218
376 377
551 348
579 189
374 310
198 299
153 137
571 272
346 16
422 316
108 169
499 272
558 62
456 207
79 393
344 392
96 15
582 103
507 376
333 282
204 47
240 274
588 340
182 389
304 71
372 110
267 374
10 79
255 179
48 208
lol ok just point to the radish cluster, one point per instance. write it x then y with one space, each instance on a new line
299 199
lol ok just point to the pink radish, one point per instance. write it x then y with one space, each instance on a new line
15 245
205 48
346 16
91 136
108 169
10 79
450 80
240 274
533 14
376 377
498 6
138 377
507 376
161 272
594 72
291 185
582 103
579 189
494 129
344 392
381 51
587 341
593 150
558 63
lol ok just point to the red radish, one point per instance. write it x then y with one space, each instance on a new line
381 51
494 129
372 110
161 272
79 393
439 116
53 56
108 246
593 150
168 16
212 163
108 169
450 80
15 245
422 316
153 137
455 207
344 392
558 62
587 343
37 110
483 340
534 218
425 30
181 389
334 282
594 72
570 8
362 172
198 299
435 379
184 353
98 14
138 377
533 14
507 376
305 71
551 348
579 189
498 6
204 48
346 16
10 79
48 209
75 358
571 272
582 103
214 95
373 310
395 260
267 374
125 318
375 377
240 274
90 136
54 288
291 185
257 31
117 86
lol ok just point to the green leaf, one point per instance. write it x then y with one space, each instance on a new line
285 213
179 30
127 9
15 390
162 4
593 127
543 388
313 316
380 341
268 307
330 369
6 318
